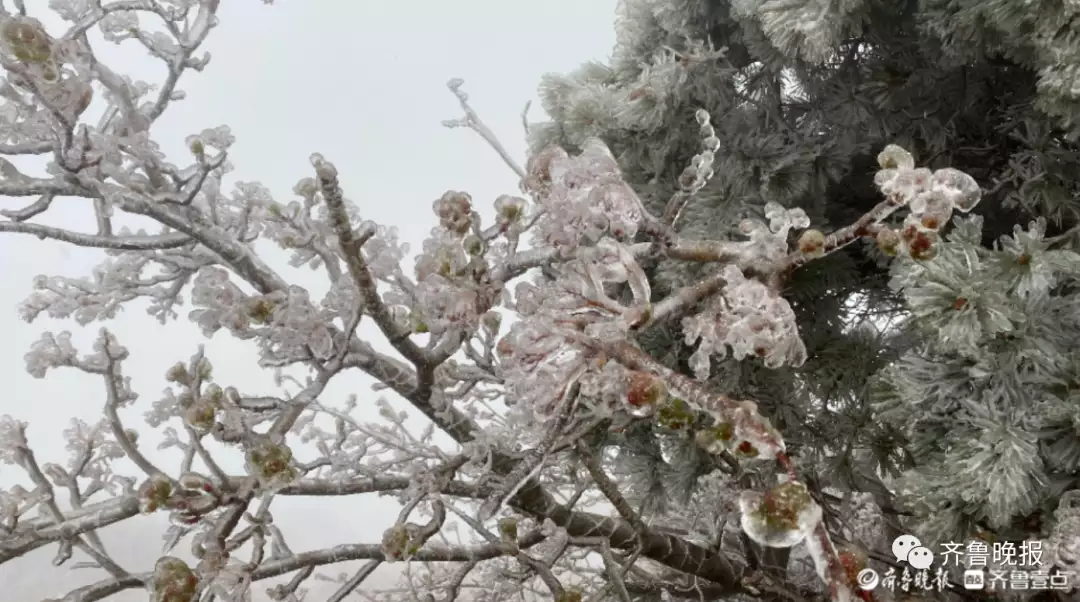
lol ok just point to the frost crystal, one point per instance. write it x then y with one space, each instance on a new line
50 352
12 439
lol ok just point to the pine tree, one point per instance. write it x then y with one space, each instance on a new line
947 390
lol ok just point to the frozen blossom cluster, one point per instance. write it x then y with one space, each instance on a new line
748 317
931 197
569 365
584 197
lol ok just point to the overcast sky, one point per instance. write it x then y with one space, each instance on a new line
361 82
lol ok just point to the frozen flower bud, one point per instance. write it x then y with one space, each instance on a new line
417 323
509 209
750 227
454 210
702 116
491 321
189 506
933 221
84 100
194 481
910 185
197 147
505 348
132 435
539 167
270 463
400 542
812 242
173 581
716 439
214 395
259 309
473 245
27 40
178 374
571 594
888 240
201 416
895 157
746 449
932 209
154 493
782 504
645 390
961 189
781 517
676 414
508 529
923 246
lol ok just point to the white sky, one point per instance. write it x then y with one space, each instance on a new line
361 82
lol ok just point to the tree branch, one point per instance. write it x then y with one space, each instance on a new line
120 243
351 249
334 555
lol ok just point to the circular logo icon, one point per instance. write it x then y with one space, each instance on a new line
868 579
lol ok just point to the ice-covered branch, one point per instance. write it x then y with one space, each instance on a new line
117 393
740 427
351 244
33 535
34 187
697 174
472 121
27 148
341 553
120 243
608 487
25 458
